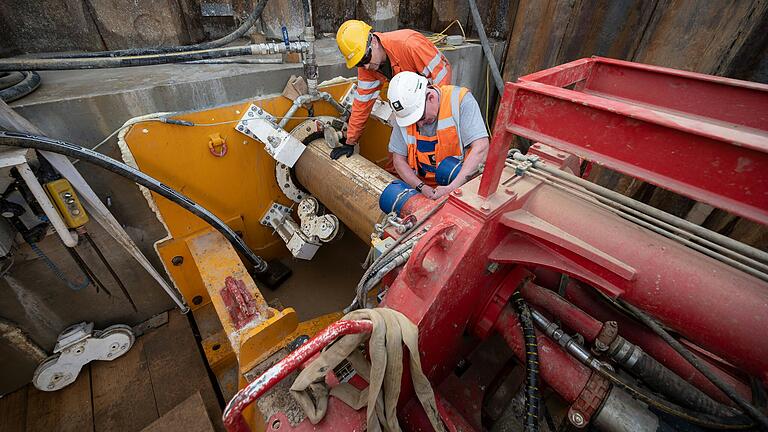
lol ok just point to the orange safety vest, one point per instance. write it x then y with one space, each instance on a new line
407 50
425 153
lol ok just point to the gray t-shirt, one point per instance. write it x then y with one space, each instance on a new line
471 127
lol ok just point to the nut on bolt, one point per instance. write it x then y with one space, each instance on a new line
576 418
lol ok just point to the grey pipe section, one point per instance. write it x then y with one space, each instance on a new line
656 213
147 60
486 47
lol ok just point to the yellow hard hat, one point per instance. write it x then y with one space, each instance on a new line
352 39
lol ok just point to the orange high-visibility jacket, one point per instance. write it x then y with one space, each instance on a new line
407 50
424 152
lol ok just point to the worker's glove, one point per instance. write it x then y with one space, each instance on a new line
342 150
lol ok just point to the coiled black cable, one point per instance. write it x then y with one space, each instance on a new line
532 395
220 42
18 84
23 140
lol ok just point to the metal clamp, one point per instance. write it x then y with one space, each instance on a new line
591 397
302 240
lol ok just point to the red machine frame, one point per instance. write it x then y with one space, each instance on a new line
657 124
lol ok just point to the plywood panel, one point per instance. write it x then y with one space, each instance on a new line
188 416
66 410
123 397
176 367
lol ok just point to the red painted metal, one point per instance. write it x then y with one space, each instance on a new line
460 270
572 317
702 136
338 417
239 302
558 369
588 300
233 418
689 292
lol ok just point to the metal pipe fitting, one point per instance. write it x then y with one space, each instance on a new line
620 412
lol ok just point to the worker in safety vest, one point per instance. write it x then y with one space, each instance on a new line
378 57
434 122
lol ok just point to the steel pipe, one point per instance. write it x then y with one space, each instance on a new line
348 187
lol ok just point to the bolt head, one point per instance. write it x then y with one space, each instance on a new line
177 260
485 207
510 191
576 418
457 192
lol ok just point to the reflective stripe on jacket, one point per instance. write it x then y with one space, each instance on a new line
425 153
407 50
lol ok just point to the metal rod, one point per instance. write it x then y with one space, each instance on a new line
683 233
658 214
109 268
87 270
720 257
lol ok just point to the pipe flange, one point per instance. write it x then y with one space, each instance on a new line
589 401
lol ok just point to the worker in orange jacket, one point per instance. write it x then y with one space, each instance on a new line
378 57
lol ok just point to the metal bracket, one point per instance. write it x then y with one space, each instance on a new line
302 240
77 346
259 124
591 397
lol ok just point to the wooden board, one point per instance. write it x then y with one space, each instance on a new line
65 410
13 411
188 416
176 367
123 398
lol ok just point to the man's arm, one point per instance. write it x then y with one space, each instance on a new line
409 176
368 90
476 156
429 61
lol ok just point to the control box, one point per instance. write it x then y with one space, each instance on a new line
66 201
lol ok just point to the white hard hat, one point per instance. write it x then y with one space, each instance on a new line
407 95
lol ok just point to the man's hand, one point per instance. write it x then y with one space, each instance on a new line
343 150
428 191
442 191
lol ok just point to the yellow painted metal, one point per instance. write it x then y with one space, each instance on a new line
64 197
239 184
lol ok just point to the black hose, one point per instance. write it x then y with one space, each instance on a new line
23 140
113 62
652 400
29 83
486 47
532 396
10 79
661 379
690 358
237 34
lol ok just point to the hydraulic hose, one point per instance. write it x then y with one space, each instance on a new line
532 396
28 83
486 47
579 352
231 37
147 60
23 140
748 408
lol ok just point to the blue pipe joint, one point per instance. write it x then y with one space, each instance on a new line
447 170
395 195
